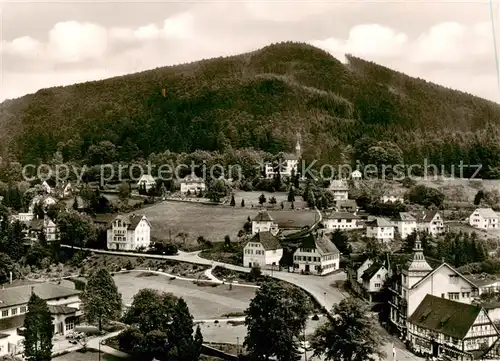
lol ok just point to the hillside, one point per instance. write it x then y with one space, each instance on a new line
259 99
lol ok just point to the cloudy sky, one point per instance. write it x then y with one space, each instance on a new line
59 43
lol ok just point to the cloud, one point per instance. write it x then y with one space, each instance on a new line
179 26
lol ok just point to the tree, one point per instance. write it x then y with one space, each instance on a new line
291 195
75 204
101 300
227 241
38 210
243 203
39 330
349 335
275 319
277 181
262 199
7 265
233 201
123 191
217 190
76 229
479 197
341 241
273 200
198 340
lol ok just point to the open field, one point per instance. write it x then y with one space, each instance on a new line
170 219
90 355
205 302
252 198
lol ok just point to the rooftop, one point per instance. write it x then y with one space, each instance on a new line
404 217
445 316
341 215
20 295
425 216
268 241
486 213
379 222
321 243
132 220
371 271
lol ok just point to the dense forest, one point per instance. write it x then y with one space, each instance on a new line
262 100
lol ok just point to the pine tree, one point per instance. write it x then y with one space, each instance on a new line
39 330
243 203
233 201
75 204
198 342
291 195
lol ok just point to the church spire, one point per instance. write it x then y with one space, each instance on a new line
419 263
298 150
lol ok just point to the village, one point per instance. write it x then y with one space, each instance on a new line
410 266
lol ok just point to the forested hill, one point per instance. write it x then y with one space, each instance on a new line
259 99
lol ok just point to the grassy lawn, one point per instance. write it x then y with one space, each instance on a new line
90 355
204 301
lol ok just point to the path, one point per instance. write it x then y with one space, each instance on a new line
319 287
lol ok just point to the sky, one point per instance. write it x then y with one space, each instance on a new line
46 44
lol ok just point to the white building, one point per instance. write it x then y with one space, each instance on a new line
67 190
263 249
356 175
460 331
392 199
64 305
147 181
339 189
366 277
380 229
406 223
193 184
484 218
288 164
263 222
316 255
45 201
430 221
23 217
45 187
340 220
129 233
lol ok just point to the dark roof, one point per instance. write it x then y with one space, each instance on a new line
379 222
319 242
404 216
290 156
36 224
268 241
104 218
403 260
445 316
132 220
347 203
263 216
61 310
4 335
21 294
370 272
425 216
10 323
341 215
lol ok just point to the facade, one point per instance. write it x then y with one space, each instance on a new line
392 199
46 188
193 184
406 224
356 175
64 305
348 205
45 201
148 181
288 164
340 220
380 229
129 233
23 217
263 222
484 218
45 225
431 222
317 255
339 189
263 249
413 280
366 277
442 327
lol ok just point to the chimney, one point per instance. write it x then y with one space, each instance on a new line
10 277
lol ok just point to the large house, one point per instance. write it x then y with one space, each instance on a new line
430 221
288 164
316 254
263 249
460 331
44 201
356 175
263 222
348 205
406 223
45 225
129 233
192 184
484 218
339 189
366 277
64 305
340 220
392 199
147 181
413 280
380 229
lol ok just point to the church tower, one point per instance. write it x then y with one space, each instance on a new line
298 150
418 267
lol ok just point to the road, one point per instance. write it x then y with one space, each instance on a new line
319 287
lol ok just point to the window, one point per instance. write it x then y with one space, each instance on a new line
377 285
5 313
70 324
378 276
13 311
454 295
466 294
23 309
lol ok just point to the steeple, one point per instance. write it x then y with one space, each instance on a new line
297 147
418 263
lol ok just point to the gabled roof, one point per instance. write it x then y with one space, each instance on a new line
61 310
356 173
341 215
36 224
445 316
21 294
379 222
404 217
338 185
132 220
290 156
147 178
425 216
263 216
192 178
347 203
321 243
268 241
371 271
486 213
439 267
